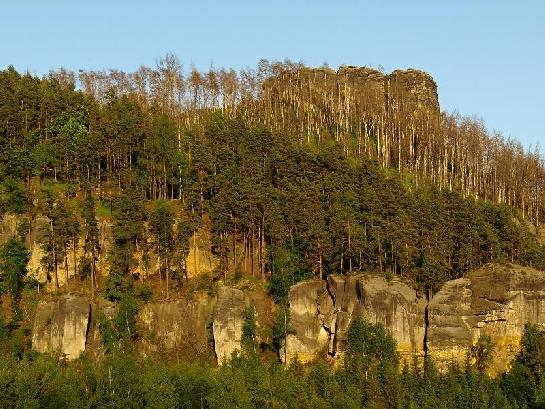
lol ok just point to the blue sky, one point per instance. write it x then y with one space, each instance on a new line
488 57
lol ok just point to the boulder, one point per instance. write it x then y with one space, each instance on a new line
61 326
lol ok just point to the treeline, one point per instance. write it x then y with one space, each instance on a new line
394 119
369 377
275 206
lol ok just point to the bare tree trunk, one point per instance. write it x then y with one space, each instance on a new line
74 257
65 263
93 270
54 251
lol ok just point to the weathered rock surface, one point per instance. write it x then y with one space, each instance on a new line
367 91
497 300
61 326
228 321
411 90
321 314
180 324
310 307
393 304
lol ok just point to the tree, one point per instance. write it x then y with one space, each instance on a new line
249 331
368 345
127 232
161 226
92 237
281 329
482 352
13 262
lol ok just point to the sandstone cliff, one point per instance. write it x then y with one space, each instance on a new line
61 326
356 91
496 300
321 314
181 324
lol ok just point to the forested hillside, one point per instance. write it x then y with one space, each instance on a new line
293 173
313 171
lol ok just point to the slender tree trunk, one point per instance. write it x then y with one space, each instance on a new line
65 263
74 257
54 251
93 270
167 274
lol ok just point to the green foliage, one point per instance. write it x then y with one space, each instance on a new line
483 352
120 331
288 268
107 332
122 379
249 330
368 345
13 262
145 293
371 341
127 232
13 197
281 327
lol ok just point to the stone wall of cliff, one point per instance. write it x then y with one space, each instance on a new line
496 300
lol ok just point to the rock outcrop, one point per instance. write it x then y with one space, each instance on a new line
497 300
390 303
366 91
181 324
322 312
61 326
363 89
228 321
412 90
310 307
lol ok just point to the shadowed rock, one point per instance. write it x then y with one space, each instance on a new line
180 324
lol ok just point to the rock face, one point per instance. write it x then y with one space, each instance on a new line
366 91
363 89
228 318
321 314
497 300
61 326
310 307
228 321
412 90
392 304
200 258
179 324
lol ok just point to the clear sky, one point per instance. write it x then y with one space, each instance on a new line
488 57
